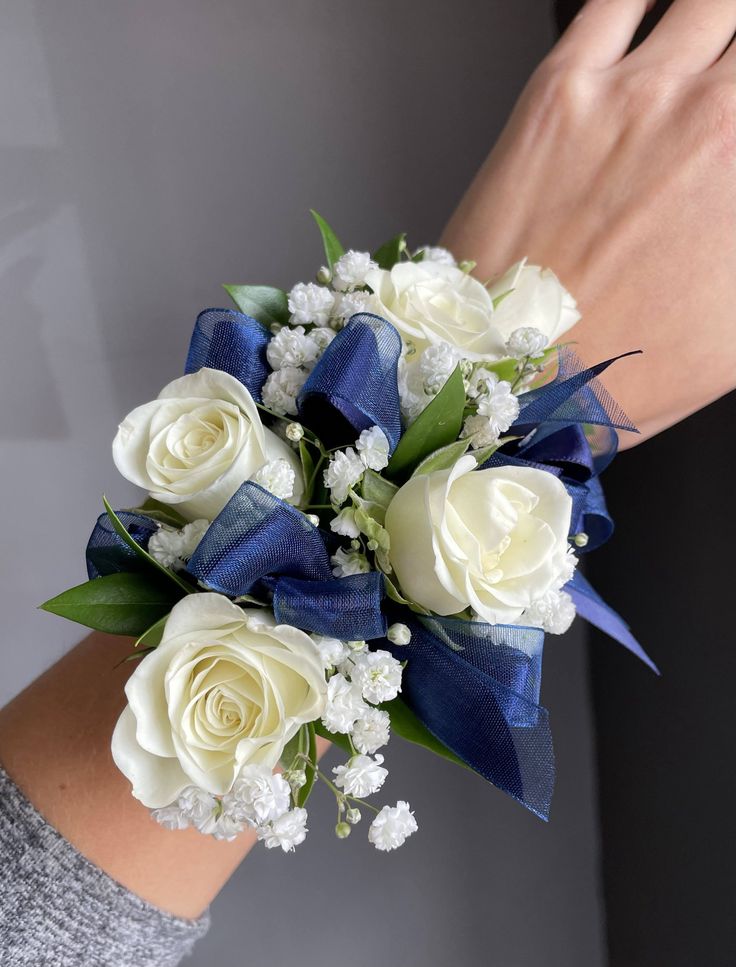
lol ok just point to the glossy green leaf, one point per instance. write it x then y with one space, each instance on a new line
303 743
262 302
442 459
123 534
120 604
337 738
390 252
437 426
307 470
405 723
161 513
332 244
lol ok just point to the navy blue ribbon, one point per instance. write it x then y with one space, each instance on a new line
107 552
354 386
232 342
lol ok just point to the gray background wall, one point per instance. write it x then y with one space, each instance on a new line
148 152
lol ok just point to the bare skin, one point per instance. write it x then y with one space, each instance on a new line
616 170
619 172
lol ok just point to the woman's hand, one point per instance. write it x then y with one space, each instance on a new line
618 170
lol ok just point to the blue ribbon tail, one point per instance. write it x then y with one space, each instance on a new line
354 386
232 342
594 609
476 688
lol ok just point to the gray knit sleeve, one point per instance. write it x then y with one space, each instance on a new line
57 909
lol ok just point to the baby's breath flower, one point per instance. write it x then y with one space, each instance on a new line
554 611
378 675
310 304
345 563
278 477
281 389
344 705
351 269
173 548
344 523
392 826
526 342
361 777
288 831
373 447
292 347
371 731
344 469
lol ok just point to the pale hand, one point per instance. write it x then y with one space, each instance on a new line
618 171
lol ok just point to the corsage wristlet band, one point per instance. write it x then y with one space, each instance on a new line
367 502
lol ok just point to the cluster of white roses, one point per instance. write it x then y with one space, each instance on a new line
213 708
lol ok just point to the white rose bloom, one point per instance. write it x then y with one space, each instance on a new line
344 706
361 777
554 611
373 447
197 443
371 731
225 687
378 675
292 347
431 303
344 523
392 826
310 303
278 477
344 469
536 299
288 831
281 389
493 540
351 268
173 547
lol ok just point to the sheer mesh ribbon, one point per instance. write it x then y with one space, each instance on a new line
107 553
476 688
354 385
233 342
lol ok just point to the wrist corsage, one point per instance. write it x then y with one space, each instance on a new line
367 500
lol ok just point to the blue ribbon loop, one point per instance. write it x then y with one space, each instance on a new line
354 386
255 536
232 342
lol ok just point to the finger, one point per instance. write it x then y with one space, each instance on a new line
691 36
602 32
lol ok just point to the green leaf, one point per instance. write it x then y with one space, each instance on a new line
435 427
390 252
304 743
442 459
307 470
377 489
151 637
405 723
262 302
485 452
121 604
123 534
332 244
161 513
337 738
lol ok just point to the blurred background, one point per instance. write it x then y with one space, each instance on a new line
150 151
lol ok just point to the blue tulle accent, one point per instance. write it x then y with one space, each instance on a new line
354 386
107 553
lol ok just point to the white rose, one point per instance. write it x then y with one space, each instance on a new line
493 540
432 303
197 443
226 687
536 300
